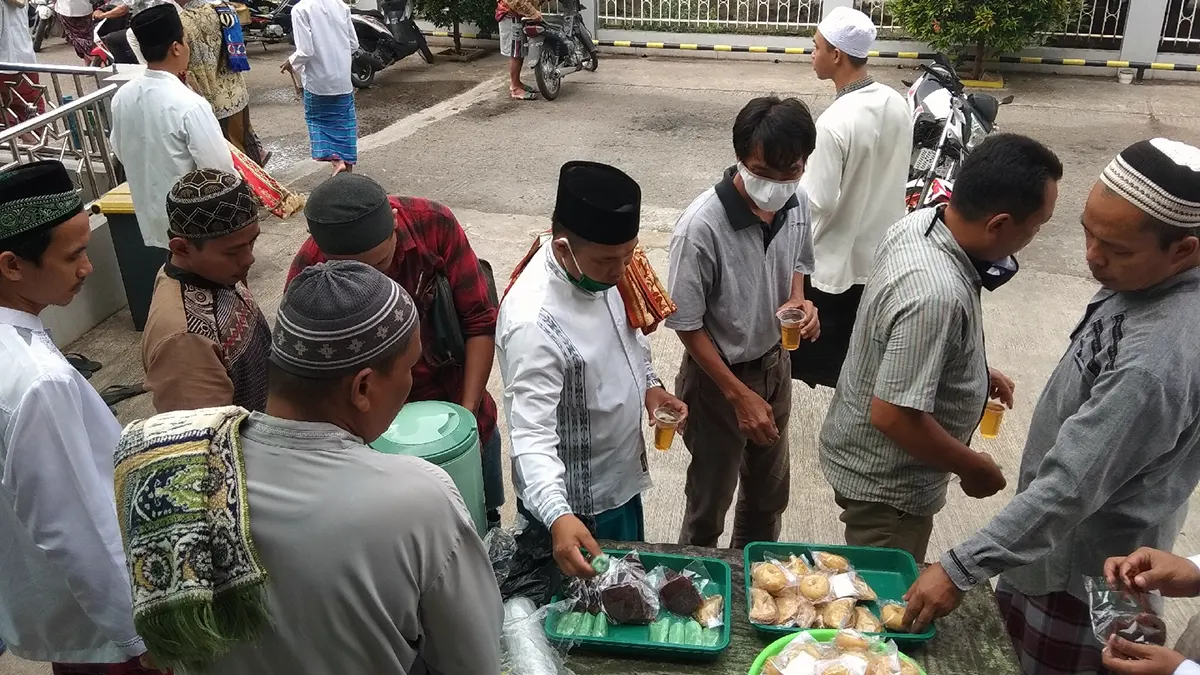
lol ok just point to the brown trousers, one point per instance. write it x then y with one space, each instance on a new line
880 525
237 130
721 454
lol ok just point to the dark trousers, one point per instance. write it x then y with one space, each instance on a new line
722 455
880 525
820 362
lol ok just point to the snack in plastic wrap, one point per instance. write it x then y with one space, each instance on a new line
679 594
786 607
1123 612
805 643
711 613
771 576
877 665
838 614
659 630
525 649
865 592
625 594
908 668
865 621
600 563
815 587
798 566
692 633
892 614
675 633
843 586
711 637
762 607
851 641
831 562
585 593
806 615
568 624
599 626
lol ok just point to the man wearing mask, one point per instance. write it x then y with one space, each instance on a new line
64 590
206 341
916 378
414 241
739 255
1113 452
576 375
855 185
332 557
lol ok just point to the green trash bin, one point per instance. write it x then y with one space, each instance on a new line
444 434
139 263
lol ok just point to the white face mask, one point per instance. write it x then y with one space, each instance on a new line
770 195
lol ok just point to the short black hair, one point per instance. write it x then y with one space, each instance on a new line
856 61
31 245
307 391
782 129
1006 173
1169 234
157 52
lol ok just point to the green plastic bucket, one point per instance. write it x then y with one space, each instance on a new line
820 634
444 434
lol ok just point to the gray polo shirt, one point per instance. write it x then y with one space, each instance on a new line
730 272
917 343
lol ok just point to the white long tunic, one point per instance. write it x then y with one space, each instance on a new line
64 588
325 40
160 131
575 380
16 46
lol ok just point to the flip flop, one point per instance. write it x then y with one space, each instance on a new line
530 90
528 96
83 364
114 394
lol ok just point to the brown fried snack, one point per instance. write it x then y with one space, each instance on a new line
806 615
815 587
850 641
836 669
786 607
679 594
771 668
797 566
893 617
838 614
768 576
908 668
762 607
831 561
865 592
866 622
710 610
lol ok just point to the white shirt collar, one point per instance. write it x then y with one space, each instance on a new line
15 317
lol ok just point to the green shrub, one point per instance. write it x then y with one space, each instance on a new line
451 14
986 27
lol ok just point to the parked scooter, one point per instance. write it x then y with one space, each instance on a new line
270 21
566 48
947 125
111 45
385 36
43 24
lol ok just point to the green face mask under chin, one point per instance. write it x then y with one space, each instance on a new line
584 282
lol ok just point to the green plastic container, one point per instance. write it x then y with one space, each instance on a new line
820 634
889 571
635 640
444 434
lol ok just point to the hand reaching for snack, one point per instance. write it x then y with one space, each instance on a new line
1149 569
569 534
984 479
1127 658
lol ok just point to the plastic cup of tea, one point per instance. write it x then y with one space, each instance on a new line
789 326
666 420
993 414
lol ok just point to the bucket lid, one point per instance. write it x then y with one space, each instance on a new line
436 431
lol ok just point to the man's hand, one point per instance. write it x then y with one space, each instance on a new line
537 16
1128 658
932 596
659 397
983 480
569 534
810 328
1149 569
755 418
99 14
1001 387
286 67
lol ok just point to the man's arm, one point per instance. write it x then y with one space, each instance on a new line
1130 421
303 39
208 146
526 8
352 32
822 178
185 372
66 504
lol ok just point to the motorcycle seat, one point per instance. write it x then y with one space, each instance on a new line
370 12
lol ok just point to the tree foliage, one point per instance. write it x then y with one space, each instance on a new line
452 14
986 27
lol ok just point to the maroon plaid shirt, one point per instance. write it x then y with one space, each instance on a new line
430 240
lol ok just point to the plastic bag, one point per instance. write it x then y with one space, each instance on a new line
1124 612
690 592
892 615
501 546
772 576
626 595
816 588
831 562
524 647
838 614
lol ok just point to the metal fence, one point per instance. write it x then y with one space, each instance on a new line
1097 24
1180 32
60 113
783 17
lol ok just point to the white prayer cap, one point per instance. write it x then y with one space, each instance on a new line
848 30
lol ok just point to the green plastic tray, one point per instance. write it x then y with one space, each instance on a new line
821 635
889 571
635 640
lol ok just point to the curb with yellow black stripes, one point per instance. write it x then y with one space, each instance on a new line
1139 66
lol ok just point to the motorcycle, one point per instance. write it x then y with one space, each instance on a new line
384 37
43 24
111 44
565 47
270 21
947 125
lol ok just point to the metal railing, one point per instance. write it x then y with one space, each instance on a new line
1180 31
786 17
881 14
1098 24
40 120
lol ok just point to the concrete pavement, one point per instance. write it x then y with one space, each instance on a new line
667 122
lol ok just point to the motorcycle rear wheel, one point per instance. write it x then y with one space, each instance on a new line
41 30
362 74
549 82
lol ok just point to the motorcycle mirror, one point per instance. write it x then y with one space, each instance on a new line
1006 100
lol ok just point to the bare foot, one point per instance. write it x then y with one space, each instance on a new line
340 166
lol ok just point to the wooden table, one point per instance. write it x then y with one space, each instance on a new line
971 641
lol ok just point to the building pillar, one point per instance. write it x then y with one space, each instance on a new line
1143 30
827 6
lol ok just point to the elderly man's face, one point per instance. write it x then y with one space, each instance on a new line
1124 252
379 394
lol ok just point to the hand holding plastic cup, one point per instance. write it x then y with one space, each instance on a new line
666 420
993 414
790 320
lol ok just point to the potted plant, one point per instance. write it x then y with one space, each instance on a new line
452 14
984 27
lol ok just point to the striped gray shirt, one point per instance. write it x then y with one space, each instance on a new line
917 343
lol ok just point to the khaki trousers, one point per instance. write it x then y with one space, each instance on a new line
722 455
880 525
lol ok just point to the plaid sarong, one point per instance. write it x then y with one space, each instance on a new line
1052 634
332 127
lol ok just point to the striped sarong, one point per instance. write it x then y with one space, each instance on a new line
332 127
1051 633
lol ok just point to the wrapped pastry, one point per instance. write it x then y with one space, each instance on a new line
804 644
677 632
806 615
838 614
865 592
831 562
892 614
770 667
851 641
679 594
659 630
815 587
865 621
835 669
711 612
786 607
762 607
626 604
908 668
842 585
798 566
879 666
770 577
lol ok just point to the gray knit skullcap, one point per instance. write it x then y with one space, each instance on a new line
339 316
349 214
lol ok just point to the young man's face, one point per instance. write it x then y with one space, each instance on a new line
599 262
59 277
1010 237
1123 252
224 260
756 165
379 396
824 58
380 257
